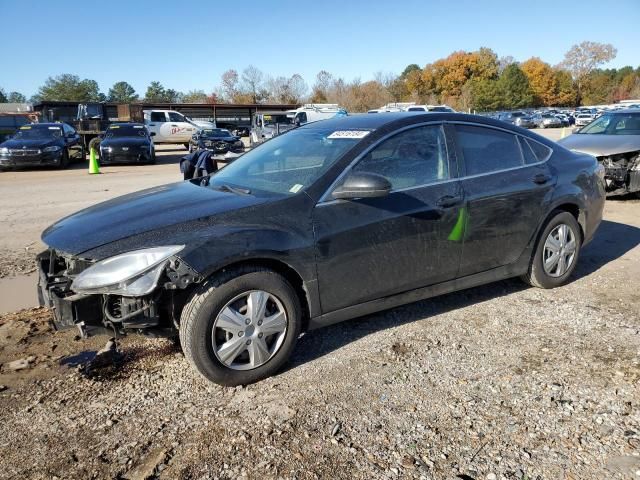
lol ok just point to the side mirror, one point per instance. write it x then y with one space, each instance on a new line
362 185
152 134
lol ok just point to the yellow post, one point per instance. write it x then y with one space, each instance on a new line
94 167
564 132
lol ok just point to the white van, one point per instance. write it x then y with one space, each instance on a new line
313 112
169 126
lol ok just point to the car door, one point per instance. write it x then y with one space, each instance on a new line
505 184
368 248
72 142
181 130
158 124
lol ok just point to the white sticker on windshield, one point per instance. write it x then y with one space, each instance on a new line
137 126
296 188
349 134
53 128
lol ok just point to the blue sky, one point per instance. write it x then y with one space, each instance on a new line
188 44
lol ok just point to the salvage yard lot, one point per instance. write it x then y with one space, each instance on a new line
500 381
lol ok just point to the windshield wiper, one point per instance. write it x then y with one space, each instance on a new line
238 190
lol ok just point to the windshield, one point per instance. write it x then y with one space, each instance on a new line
614 124
288 163
35 132
273 119
126 131
215 132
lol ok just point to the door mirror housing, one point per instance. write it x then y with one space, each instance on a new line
152 134
362 185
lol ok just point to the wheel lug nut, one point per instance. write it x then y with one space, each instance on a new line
247 321
260 335
260 323
240 334
248 342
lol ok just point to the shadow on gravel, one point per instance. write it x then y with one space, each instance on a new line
321 342
612 241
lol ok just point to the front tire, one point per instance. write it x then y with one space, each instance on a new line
241 326
557 252
64 160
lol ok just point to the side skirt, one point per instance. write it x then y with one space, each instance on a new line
501 273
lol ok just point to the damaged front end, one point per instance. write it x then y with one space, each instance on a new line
141 291
622 172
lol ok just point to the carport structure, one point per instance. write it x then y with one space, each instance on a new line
224 114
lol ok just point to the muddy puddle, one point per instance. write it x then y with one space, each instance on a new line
18 292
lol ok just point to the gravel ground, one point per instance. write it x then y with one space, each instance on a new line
496 382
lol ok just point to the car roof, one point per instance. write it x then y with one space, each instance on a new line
376 121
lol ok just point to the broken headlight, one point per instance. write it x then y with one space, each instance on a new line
130 274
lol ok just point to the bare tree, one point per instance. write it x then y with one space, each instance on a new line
585 57
252 82
297 88
229 85
320 90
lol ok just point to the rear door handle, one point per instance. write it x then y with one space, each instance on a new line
449 201
541 179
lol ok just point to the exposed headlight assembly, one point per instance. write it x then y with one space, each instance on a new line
55 148
4 151
131 274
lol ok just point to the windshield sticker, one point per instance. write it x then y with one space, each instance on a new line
114 126
25 128
296 188
349 134
137 126
53 128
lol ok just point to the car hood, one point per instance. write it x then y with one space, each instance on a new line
601 145
35 143
140 212
124 142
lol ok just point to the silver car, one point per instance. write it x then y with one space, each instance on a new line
583 119
614 139
547 120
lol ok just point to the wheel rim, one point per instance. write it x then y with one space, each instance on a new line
249 330
559 251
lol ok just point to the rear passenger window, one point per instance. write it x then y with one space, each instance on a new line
158 117
409 159
487 150
529 156
541 151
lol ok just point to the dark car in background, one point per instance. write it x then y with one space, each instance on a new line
218 140
125 142
41 144
330 221
521 119
547 120
241 130
614 139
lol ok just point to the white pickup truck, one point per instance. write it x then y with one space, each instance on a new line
170 126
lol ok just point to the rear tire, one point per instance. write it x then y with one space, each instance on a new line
551 239
200 330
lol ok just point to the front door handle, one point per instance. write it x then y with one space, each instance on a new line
449 201
541 179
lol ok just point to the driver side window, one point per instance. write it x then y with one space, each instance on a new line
176 117
412 158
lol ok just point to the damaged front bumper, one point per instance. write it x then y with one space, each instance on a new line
622 173
153 314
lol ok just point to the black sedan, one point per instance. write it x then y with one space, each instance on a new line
330 221
41 144
218 140
127 143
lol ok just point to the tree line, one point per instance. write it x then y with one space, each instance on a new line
478 80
